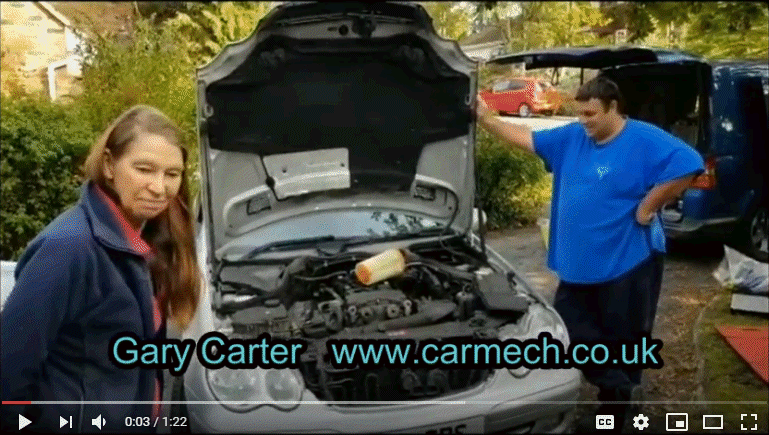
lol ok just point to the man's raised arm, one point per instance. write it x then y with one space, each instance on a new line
516 135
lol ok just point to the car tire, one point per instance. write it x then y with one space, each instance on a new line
179 410
752 233
524 111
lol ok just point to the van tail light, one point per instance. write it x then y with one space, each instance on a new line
707 180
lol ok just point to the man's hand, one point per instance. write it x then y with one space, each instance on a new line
482 110
512 134
643 217
659 196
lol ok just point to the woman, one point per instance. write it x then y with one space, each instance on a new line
121 260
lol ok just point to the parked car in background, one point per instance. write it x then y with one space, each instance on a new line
523 96
718 107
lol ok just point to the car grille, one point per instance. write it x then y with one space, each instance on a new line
386 383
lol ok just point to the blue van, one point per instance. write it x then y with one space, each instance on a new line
720 108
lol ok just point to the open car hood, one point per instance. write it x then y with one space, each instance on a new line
336 106
591 57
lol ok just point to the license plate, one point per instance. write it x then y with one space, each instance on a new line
460 427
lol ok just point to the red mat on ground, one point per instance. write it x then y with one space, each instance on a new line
752 344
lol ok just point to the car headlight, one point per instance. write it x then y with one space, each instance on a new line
243 390
546 320
540 320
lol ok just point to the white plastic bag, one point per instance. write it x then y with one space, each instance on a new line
742 272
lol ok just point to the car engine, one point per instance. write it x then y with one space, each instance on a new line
438 296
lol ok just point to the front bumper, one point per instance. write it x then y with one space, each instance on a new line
681 227
544 107
542 402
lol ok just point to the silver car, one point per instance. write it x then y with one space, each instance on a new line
337 132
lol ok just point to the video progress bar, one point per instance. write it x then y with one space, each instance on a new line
375 403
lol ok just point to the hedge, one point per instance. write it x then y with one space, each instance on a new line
512 184
41 146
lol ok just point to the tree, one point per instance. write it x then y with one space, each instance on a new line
559 24
11 56
450 20
207 27
530 25
728 30
710 29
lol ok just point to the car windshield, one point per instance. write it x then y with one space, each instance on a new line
499 87
337 224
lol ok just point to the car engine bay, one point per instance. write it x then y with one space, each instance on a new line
441 294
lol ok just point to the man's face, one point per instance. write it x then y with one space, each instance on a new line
596 119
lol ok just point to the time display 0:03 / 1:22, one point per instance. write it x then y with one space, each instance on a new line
164 421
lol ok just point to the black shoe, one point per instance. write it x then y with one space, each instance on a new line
631 394
586 424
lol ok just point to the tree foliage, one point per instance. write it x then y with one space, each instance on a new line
450 20
41 143
553 24
205 28
505 177
11 55
150 69
711 29
728 30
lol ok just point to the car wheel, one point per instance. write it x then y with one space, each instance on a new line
178 411
754 233
524 111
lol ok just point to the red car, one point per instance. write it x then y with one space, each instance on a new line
523 95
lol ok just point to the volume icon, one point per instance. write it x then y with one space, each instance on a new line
98 421
64 422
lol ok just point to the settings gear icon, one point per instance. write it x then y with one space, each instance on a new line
640 422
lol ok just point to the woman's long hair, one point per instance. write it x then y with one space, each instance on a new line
174 268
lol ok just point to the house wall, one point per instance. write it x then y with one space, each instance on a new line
34 39
483 52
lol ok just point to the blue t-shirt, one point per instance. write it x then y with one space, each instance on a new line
594 236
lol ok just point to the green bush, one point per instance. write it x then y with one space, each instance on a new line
42 143
568 105
512 184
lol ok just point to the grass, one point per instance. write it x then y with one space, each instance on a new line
726 376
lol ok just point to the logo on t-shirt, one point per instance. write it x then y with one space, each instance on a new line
602 170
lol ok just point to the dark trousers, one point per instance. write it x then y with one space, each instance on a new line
622 309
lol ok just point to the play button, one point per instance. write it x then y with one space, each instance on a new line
23 422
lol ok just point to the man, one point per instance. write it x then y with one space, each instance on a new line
611 175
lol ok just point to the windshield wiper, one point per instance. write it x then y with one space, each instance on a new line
277 246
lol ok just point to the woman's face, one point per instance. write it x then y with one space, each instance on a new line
146 177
